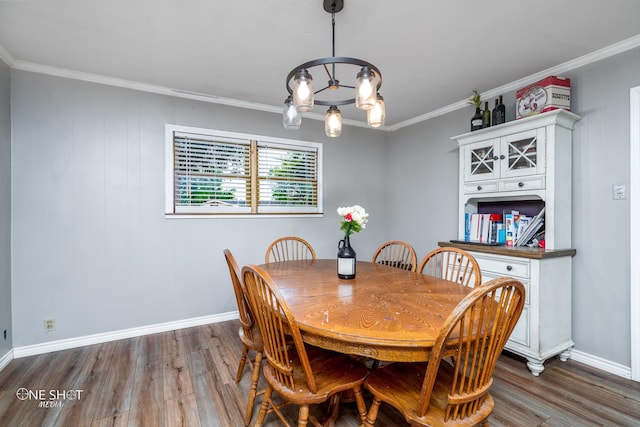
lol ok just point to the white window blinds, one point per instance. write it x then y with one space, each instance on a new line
214 172
287 178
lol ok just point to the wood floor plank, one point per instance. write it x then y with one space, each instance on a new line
582 393
20 373
186 378
100 358
172 345
63 381
182 412
206 385
116 392
80 411
119 420
223 357
150 347
147 399
193 339
176 378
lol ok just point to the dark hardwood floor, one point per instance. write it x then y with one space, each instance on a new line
186 378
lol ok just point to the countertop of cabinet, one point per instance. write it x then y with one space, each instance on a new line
522 252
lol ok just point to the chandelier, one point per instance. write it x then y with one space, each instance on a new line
302 95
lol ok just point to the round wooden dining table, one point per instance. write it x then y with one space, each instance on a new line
385 313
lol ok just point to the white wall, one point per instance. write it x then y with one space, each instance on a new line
91 246
5 210
424 154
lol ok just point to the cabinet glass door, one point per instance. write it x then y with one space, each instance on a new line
482 161
524 153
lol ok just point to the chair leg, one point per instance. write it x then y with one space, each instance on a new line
303 415
362 407
255 377
243 360
333 409
373 412
265 405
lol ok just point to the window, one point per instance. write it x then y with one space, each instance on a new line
215 173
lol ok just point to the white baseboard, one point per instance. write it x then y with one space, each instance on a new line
4 360
602 364
31 350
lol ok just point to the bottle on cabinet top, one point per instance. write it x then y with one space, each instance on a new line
476 120
499 112
494 112
486 115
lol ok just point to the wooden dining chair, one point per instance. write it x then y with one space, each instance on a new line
441 392
289 248
454 264
248 332
396 253
301 374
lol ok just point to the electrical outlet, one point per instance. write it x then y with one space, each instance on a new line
50 324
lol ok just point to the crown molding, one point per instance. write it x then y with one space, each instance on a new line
135 85
160 90
590 58
598 55
6 56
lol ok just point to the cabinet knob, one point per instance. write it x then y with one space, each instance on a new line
495 157
502 157
479 187
509 268
521 184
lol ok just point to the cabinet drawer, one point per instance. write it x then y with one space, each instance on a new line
527 286
523 183
480 187
503 266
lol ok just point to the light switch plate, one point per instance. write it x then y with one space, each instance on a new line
619 191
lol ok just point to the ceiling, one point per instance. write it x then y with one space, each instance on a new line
431 53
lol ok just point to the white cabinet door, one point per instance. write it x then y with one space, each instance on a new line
523 153
482 160
515 155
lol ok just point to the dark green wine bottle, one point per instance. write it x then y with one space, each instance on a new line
486 115
494 113
500 116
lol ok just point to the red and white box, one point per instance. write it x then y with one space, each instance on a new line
548 94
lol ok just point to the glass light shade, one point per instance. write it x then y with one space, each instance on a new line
291 118
303 91
376 115
365 89
333 122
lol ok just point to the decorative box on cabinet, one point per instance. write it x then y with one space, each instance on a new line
526 162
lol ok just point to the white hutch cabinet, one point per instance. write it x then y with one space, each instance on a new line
525 164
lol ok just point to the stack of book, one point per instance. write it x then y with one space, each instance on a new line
510 228
528 228
482 228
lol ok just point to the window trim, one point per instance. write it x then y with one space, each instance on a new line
251 211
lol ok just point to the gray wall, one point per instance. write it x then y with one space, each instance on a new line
91 245
92 248
5 210
424 156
